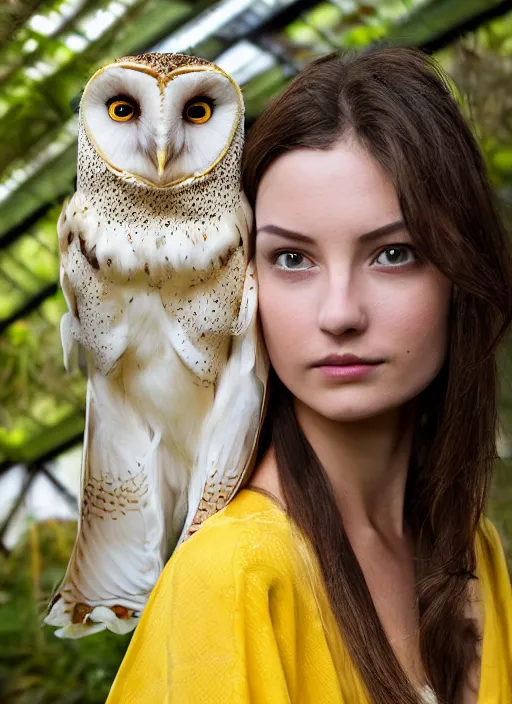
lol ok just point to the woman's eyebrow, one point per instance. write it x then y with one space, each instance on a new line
391 227
383 230
283 232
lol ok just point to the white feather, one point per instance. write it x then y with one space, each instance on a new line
196 146
118 550
230 432
128 146
132 146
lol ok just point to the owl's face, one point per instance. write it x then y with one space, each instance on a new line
161 127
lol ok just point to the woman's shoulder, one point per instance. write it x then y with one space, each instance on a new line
496 595
494 579
251 533
247 518
219 608
488 537
490 552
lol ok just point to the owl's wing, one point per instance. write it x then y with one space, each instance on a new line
118 552
97 307
125 485
120 547
69 324
231 431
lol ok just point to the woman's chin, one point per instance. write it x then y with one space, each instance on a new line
344 411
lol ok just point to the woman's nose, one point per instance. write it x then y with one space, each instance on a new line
341 307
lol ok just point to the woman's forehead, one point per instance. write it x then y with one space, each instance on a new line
312 191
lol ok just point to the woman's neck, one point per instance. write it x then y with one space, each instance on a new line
366 462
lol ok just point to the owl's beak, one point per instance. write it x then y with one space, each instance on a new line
161 156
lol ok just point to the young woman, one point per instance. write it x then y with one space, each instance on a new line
357 565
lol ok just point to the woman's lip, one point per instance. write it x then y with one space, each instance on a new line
345 360
347 371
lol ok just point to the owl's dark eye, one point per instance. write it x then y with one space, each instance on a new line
122 109
198 110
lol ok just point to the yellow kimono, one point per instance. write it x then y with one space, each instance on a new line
238 616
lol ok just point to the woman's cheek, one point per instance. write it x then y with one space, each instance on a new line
422 339
285 324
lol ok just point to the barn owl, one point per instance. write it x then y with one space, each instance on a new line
161 295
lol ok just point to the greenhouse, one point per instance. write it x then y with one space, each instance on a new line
48 51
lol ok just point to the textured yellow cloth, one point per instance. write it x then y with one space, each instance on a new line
238 616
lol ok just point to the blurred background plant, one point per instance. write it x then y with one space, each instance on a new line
48 50
35 666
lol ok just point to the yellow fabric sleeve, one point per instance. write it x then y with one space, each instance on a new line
497 603
212 628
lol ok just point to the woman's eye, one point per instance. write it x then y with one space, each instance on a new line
292 261
396 256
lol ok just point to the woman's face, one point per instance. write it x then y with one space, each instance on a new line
338 275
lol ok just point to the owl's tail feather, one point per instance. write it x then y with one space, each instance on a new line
229 436
119 550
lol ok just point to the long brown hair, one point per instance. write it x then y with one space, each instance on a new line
398 104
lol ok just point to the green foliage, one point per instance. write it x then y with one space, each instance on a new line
349 25
481 67
433 18
261 88
29 264
15 12
40 404
36 667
